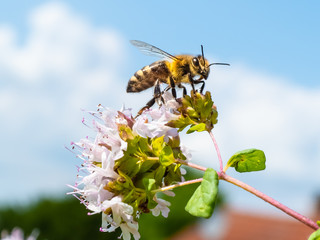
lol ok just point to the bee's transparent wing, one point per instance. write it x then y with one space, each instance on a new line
151 50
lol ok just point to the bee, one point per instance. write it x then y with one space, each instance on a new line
173 70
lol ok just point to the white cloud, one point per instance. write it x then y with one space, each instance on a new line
277 116
63 64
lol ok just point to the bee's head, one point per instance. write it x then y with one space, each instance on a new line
202 66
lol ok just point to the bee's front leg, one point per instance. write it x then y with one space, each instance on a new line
200 81
184 89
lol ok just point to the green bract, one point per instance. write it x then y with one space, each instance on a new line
197 111
147 164
202 202
248 160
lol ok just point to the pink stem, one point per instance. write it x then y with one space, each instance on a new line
270 200
195 166
217 150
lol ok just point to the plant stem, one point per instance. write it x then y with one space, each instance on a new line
195 166
217 150
152 158
270 200
223 176
180 184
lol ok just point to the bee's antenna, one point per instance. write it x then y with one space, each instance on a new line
219 64
202 53
212 63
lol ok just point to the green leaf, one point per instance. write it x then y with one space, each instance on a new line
315 235
172 175
181 123
157 145
149 184
125 132
248 160
192 113
198 127
125 180
166 157
128 165
144 146
202 202
159 173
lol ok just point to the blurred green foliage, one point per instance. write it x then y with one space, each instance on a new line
66 218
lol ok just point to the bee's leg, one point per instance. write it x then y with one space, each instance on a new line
156 95
147 106
173 88
203 83
191 82
184 89
166 89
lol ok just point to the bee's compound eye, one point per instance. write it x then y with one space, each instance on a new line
195 62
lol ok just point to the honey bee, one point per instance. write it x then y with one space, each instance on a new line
173 70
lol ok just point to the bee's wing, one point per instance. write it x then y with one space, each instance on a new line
149 49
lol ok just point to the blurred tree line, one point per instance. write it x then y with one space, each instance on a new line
66 218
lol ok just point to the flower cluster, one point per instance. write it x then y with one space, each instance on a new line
130 160
127 163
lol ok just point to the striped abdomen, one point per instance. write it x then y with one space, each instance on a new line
147 76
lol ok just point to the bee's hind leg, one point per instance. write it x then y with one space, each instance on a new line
173 87
157 94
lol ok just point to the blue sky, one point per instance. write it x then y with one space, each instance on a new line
60 57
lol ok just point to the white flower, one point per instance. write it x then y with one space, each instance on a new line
99 156
161 207
186 152
152 123
121 217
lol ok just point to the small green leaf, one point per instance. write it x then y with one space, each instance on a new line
202 202
172 174
128 165
149 184
166 157
192 113
125 132
125 180
315 235
157 145
144 146
174 142
159 173
248 160
198 127
181 123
